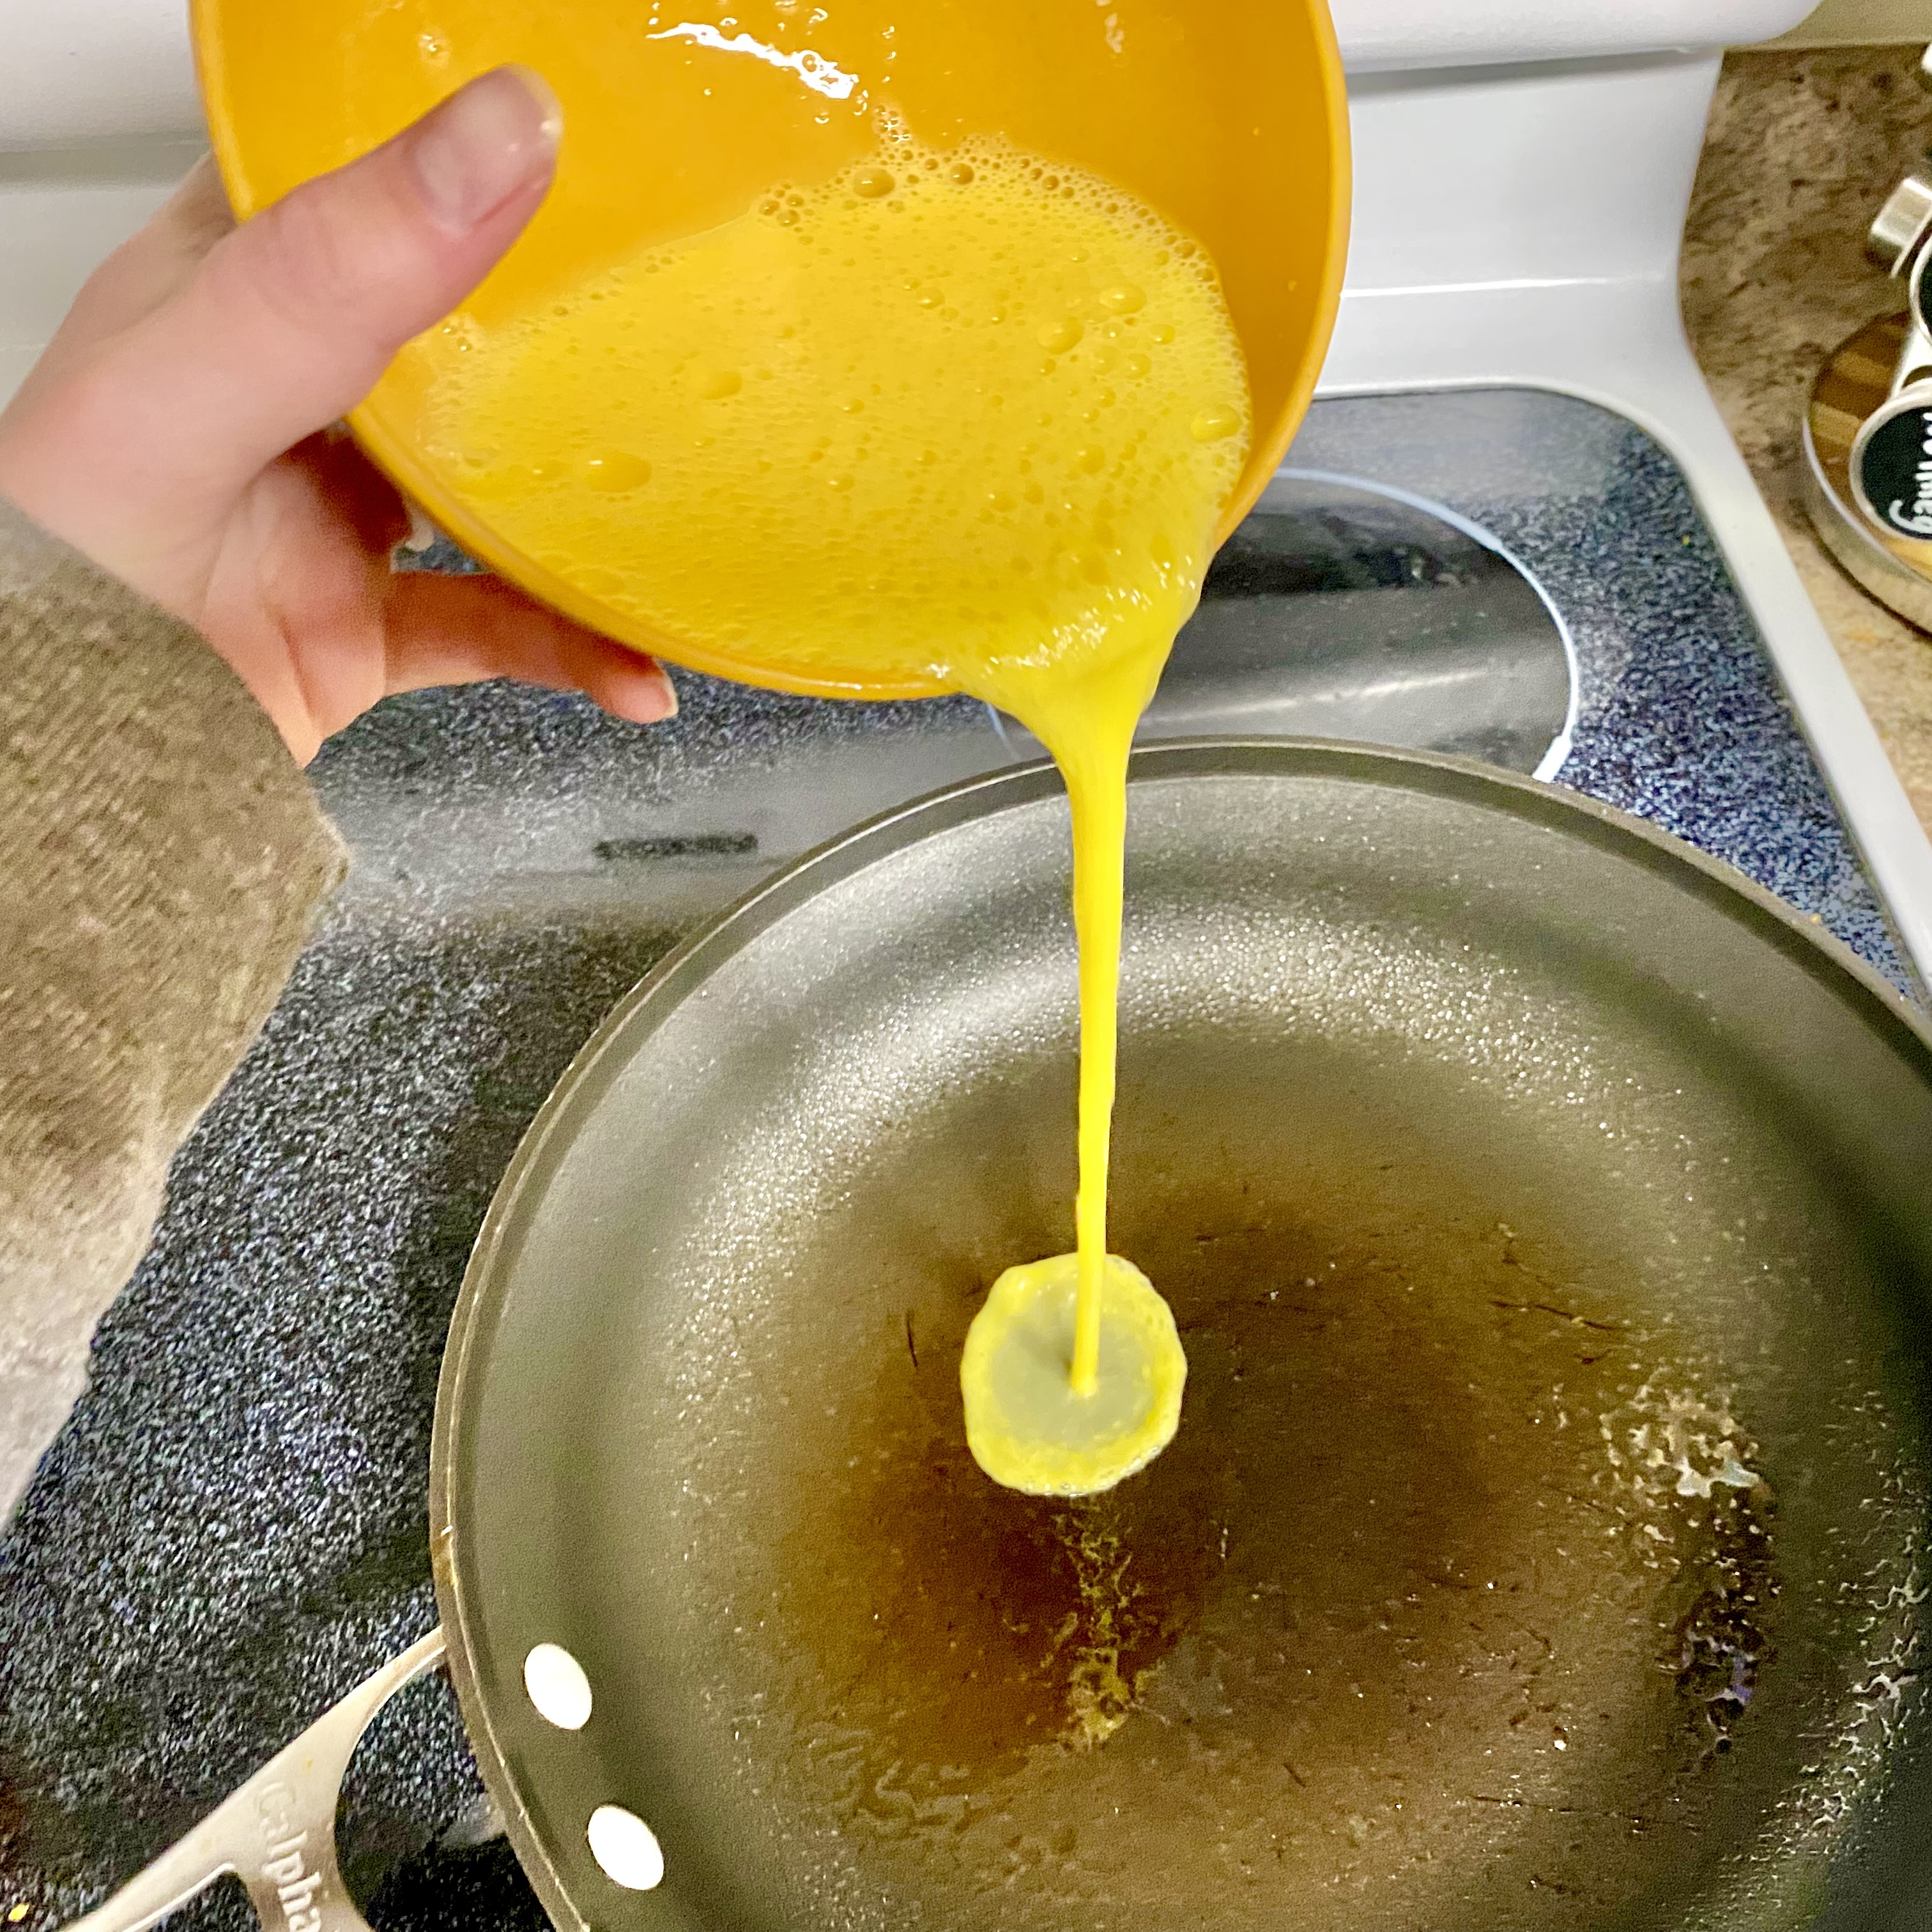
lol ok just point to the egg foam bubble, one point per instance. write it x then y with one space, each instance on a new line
970 416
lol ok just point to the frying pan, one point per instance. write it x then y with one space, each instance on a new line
1544 1208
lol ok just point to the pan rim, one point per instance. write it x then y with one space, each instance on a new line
1818 952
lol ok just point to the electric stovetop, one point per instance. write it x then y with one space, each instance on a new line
232 1532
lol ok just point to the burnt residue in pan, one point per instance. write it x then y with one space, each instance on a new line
1457 1585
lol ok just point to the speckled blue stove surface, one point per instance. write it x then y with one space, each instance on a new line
1680 717
232 1531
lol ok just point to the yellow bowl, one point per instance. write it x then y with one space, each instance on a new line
1229 119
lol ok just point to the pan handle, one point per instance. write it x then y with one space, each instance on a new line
278 1833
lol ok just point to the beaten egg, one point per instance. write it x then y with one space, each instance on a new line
971 415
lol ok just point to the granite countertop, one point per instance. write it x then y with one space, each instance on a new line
1802 149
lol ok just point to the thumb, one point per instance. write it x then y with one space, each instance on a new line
302 308
293 316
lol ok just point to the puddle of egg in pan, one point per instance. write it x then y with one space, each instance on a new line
1461 1598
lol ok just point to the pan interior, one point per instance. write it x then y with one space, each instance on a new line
1547 1499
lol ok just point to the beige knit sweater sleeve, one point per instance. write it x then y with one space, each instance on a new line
161 859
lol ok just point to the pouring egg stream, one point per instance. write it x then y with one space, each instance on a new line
969 416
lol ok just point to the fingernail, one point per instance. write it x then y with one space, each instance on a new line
670 690
495 139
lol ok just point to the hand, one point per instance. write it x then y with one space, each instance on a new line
171 431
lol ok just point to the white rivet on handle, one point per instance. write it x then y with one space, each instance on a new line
558 1686
626 1847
